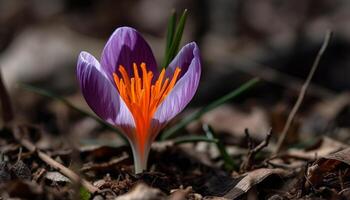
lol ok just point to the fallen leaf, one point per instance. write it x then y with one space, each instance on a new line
328 163
231 120
180 194
323 147
142 192
57 177
252 178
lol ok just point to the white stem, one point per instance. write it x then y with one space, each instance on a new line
140 161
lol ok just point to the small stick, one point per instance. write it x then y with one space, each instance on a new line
54 164
248 163
302 92
19 154
263 144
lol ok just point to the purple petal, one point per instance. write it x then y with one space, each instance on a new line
100 94
125 47
186 86
183 59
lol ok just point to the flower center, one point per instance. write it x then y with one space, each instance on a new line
143 97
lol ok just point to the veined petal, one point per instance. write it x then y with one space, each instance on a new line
101 95
183 59
125 47
189 60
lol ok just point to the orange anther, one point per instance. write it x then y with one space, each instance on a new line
142 97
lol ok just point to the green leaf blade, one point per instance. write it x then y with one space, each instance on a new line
170 35
174 47
230 164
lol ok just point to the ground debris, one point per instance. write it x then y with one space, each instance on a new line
330 174
56 177
143 192
21 170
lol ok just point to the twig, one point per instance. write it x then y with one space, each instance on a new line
54 164
247 164
249 139
302 92
19 154
102 166
263 144
278 165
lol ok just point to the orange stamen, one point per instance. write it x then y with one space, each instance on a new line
143 97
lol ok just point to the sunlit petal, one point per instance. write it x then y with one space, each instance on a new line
189 61
125 47
100 94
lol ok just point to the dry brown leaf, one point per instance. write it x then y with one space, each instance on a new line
142 192
323 148
228 119
251 179
326 164
56 177
341 156
180 194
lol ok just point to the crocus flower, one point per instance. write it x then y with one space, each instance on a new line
126 89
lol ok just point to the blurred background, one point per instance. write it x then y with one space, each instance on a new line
239 39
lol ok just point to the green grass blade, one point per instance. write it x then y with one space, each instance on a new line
53 96
84 194
170 35
192 138
196 115
178 35
177 39
230 164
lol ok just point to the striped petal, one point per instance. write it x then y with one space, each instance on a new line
125 47
101 95
189 61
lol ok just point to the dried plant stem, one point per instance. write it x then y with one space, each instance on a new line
248 163
54 164
302 92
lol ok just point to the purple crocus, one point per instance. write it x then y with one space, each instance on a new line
127 90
